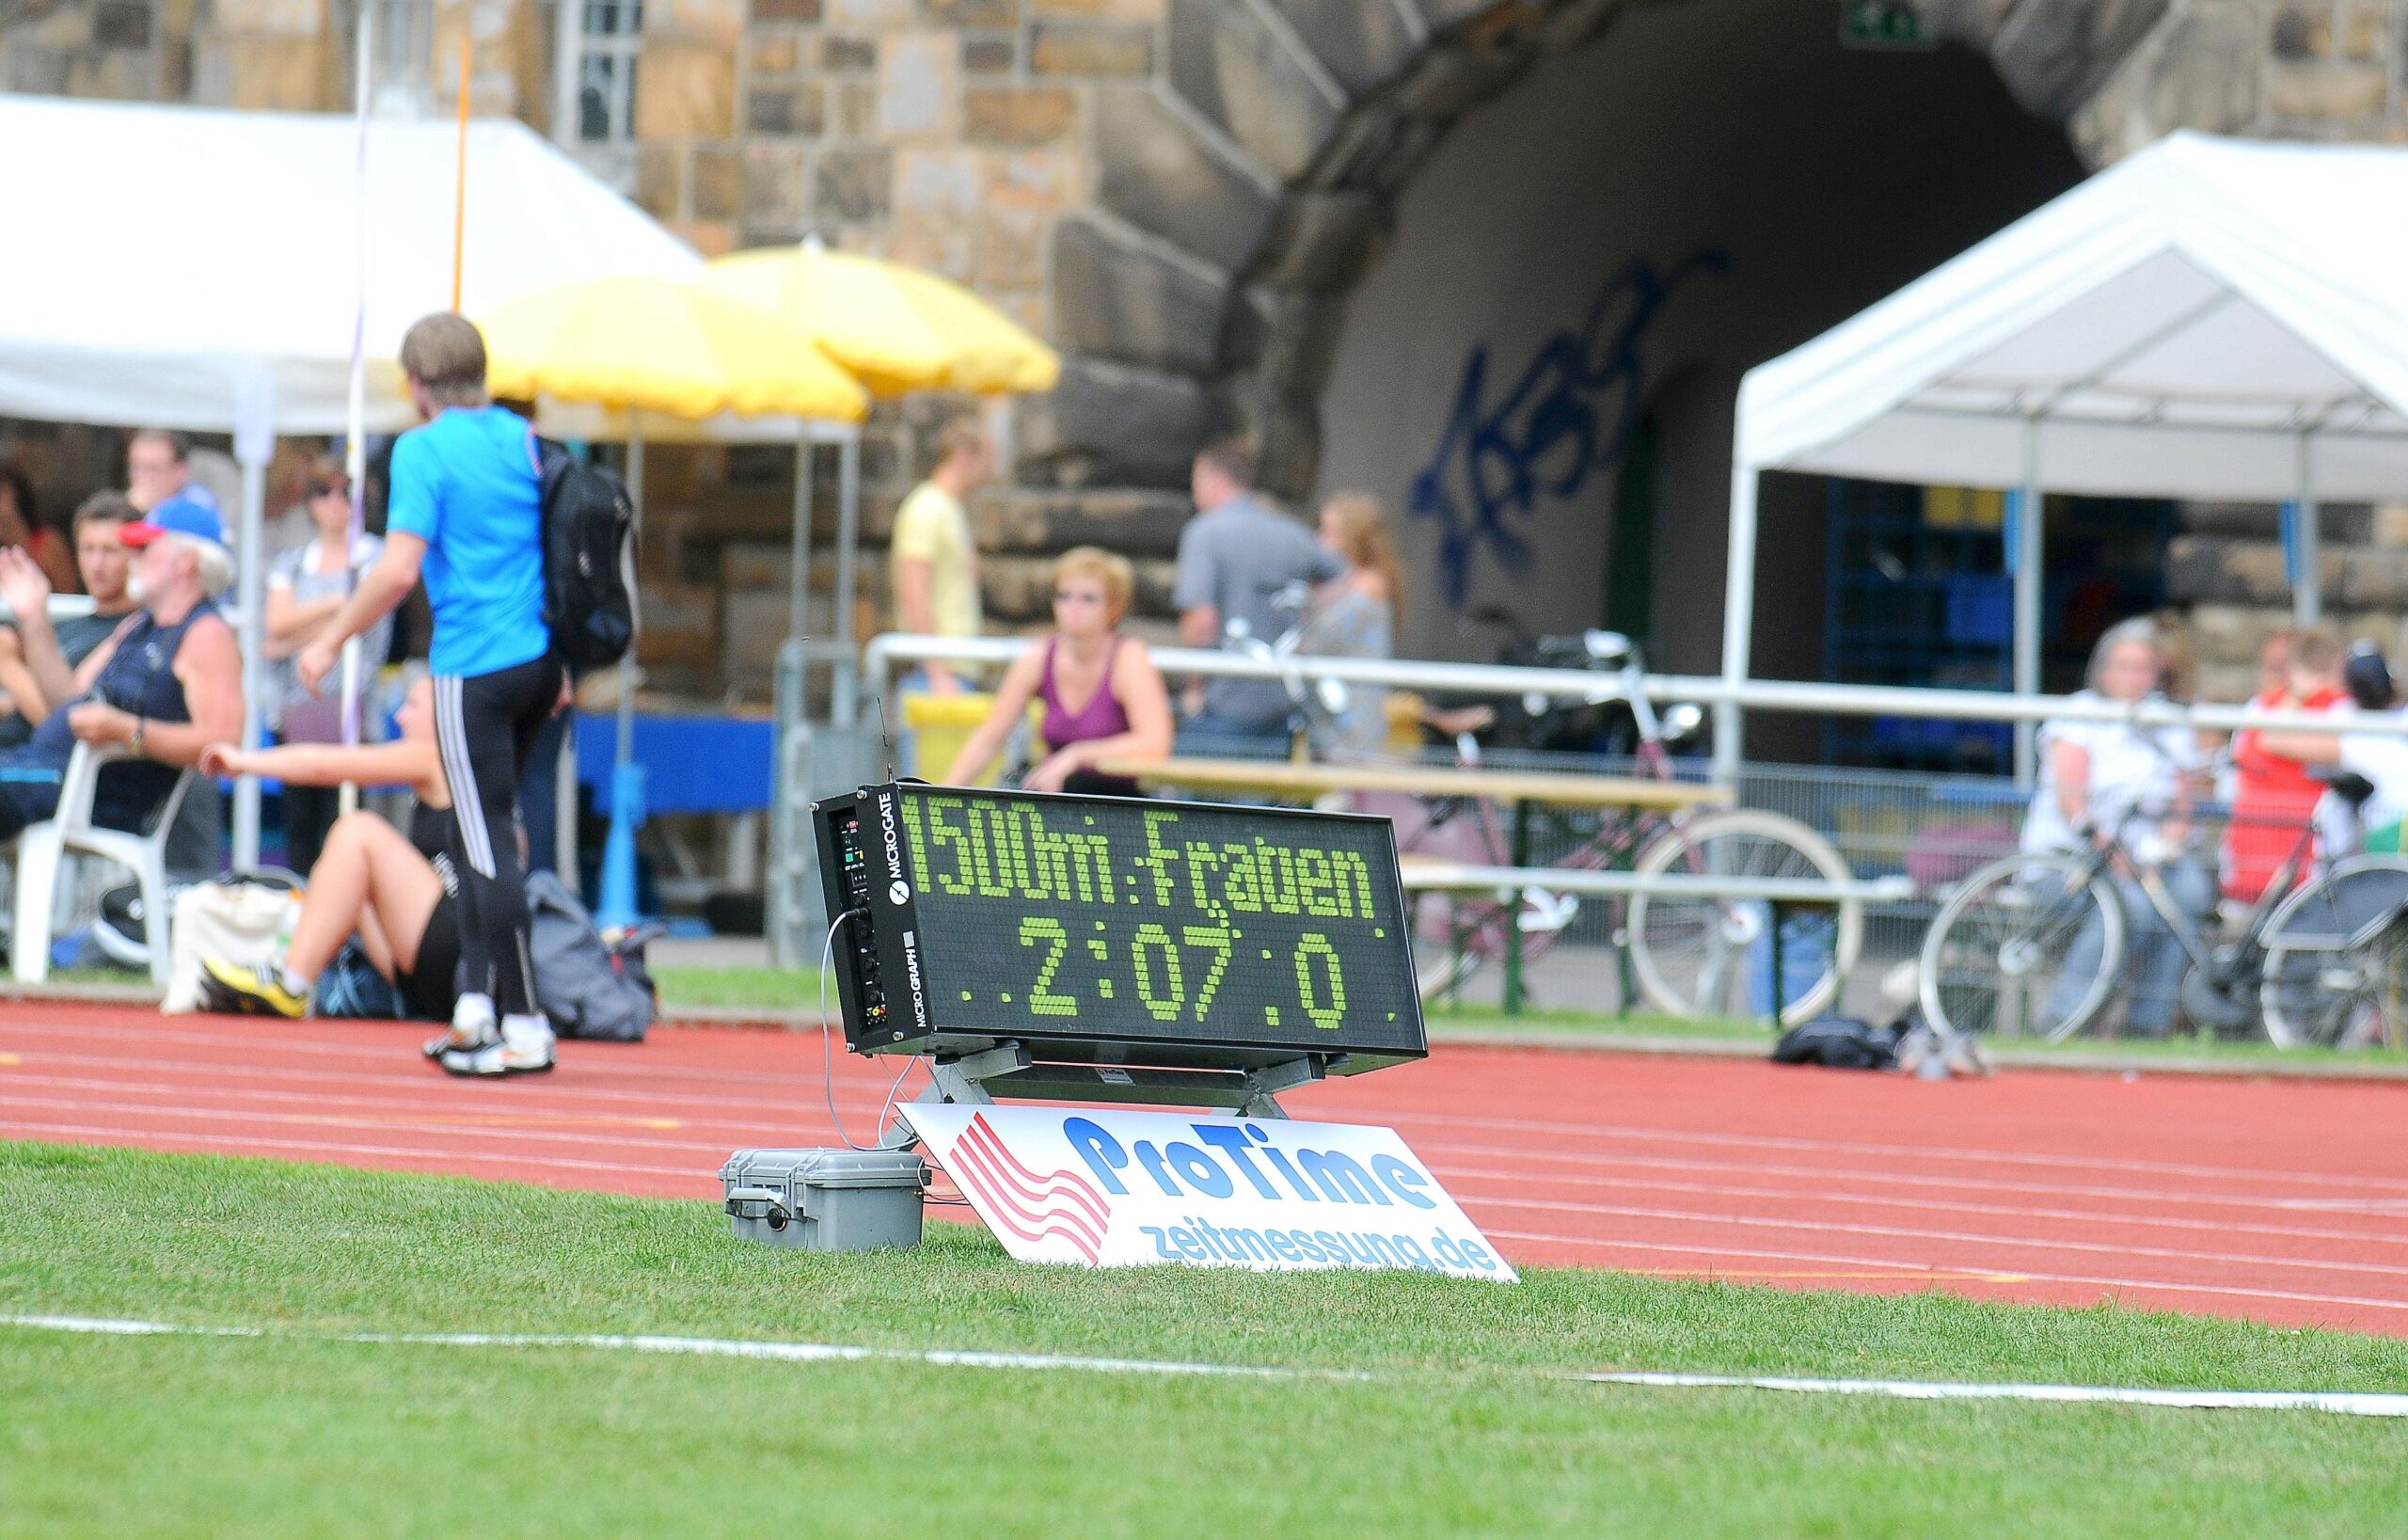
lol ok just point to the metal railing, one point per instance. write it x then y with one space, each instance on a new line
1590 686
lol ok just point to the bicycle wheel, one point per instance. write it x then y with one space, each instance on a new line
2029 945
1711 956
2336 957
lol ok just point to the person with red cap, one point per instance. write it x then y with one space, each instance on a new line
165 686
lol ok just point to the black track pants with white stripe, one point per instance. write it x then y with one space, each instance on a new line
483 724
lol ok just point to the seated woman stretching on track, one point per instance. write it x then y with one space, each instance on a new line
398 893
1123 710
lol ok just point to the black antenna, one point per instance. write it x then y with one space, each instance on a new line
886 741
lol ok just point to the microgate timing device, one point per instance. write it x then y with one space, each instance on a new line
1127 950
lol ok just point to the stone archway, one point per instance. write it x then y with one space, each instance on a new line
1242 189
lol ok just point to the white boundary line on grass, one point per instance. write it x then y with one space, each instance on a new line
2347 1403
2351 1402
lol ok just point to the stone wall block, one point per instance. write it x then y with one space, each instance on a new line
121 24
2373 579
919 88
681 627
290 18
944 186
854 186
1117 300
2052 54
2198 71
1360 44
785 108
772 198
660 180
717 21
1154 170
969 13
804 11
1237 73
1074 48
1034 181
882 15
1095 10
773 52
989 54
1135 524
717 182
2205 569
269 73
2330 93
686 89
1105 424
1019 114
1008 251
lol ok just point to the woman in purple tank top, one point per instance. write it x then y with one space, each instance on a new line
1103 697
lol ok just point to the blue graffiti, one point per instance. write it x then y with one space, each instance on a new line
1568 416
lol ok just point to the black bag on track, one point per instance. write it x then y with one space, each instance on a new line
1839 1042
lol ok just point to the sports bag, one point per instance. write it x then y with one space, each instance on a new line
1839 1042
578 983
589 559
244 922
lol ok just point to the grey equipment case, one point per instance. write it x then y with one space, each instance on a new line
826 1200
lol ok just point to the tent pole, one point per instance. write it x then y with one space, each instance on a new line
799 573
254 445
1738 619
2308 586
355 447
2029 574
844 706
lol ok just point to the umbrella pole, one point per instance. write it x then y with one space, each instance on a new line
844 706
617 908
798 574
2307 581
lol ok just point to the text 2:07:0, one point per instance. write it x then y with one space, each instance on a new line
1161 974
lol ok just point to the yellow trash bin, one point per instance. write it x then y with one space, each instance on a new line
936 726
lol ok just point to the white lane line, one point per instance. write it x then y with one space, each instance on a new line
1957 1237
410 1074
1909 1270
1402 1118
2343 1403
1821 1175
2348 1402
1524 1180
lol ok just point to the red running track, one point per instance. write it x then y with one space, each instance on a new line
2278 1200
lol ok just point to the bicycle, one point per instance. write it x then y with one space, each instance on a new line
1692 956
2312 956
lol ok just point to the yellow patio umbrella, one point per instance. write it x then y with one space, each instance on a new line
645 344
896 327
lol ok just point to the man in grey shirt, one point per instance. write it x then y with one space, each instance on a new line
1234 557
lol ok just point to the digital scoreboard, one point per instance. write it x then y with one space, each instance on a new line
1113 931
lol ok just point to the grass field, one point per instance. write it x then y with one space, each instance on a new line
1462 1424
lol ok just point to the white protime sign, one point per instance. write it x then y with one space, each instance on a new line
1136 1189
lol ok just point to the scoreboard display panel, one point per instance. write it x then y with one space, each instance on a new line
1118 931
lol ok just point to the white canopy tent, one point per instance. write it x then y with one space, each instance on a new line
2208 318
187 268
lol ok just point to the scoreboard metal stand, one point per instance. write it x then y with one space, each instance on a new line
1112 949
1011 1069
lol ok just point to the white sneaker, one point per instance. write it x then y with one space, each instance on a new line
523 1047
472 1027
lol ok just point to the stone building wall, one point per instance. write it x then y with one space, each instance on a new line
1180 193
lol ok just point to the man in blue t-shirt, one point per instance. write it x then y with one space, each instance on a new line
463 511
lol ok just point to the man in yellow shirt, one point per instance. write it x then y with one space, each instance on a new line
935 555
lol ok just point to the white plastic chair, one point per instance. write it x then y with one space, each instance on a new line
42 848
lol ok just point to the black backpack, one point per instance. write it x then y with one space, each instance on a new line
1839 1042
589 560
